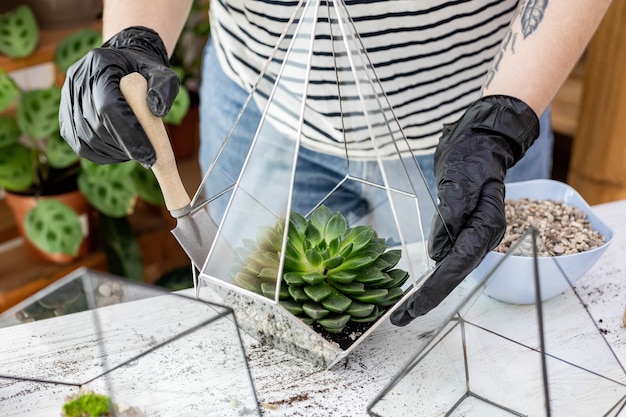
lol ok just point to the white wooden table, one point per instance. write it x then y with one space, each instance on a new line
289 386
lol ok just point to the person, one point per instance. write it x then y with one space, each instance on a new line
467 79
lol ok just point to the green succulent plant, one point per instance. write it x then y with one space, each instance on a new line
89 405
332 274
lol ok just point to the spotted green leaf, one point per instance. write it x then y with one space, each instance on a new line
59 153
17 168
9 131
38 112
19 32
54 227
8 90
74 46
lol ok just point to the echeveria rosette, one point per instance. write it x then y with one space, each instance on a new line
332 274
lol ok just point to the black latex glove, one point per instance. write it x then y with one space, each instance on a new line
95 119
470 165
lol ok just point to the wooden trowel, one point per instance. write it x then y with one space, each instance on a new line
195 229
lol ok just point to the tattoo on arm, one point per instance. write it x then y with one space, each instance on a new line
530 13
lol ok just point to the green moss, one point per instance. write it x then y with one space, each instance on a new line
88 405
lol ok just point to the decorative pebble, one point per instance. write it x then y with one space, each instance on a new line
104 290
563 229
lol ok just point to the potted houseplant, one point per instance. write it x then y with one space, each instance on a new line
38 167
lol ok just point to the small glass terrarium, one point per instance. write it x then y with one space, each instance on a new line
309 274
494 358
139 349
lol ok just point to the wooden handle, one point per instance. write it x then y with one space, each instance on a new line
134 88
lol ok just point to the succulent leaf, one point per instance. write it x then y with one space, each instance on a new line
375 296
333 246
318 292
313 278
394 295
381 282
357 309
372 317
269 290
336 302
355 262
359 236
398 278
294 278
352 288
314 258
333 262
369 275
248 282
312 235
268 273
346 250
292 250
336 227
388 260
335 324
343 277
298 223
298 294
294 264
293 307
315 310
320 217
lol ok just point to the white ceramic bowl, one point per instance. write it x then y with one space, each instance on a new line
513 280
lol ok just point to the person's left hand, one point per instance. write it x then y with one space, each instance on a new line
470 165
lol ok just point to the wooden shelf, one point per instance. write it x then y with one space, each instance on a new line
22 276
48 41
567 102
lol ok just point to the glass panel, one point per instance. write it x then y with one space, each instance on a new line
161 353
260 203
495 358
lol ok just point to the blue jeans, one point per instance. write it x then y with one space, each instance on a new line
317 173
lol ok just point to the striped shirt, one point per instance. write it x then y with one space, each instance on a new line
414 66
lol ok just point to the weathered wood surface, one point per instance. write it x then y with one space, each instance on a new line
598 161
188 362
289 386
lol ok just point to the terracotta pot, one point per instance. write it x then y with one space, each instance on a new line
20 204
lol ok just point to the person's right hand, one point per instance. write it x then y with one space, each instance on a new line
95 119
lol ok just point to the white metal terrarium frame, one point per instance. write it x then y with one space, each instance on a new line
491 358
242 205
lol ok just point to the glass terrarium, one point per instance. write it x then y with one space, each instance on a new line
140 349
309 275
494 358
